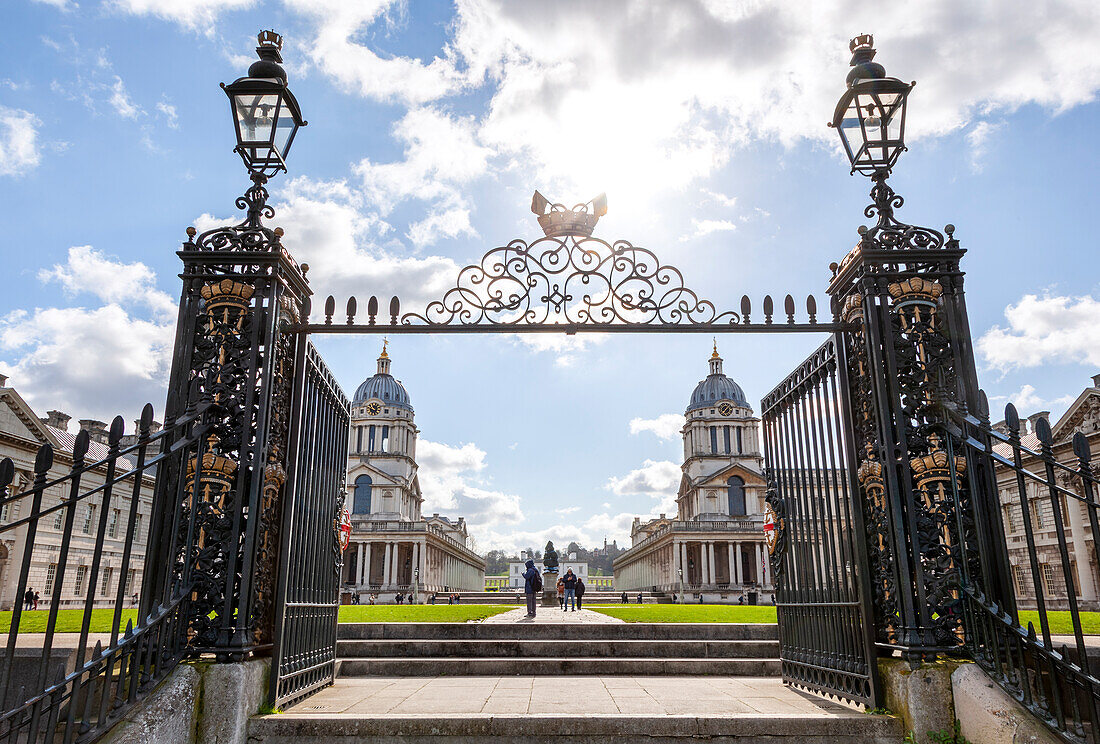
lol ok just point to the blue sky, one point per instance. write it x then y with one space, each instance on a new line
430 126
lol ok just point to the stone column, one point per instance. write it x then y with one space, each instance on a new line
387 563
414 564
684 561
358 564
732 563
1081 549
710 562
737 558
366 563
757 570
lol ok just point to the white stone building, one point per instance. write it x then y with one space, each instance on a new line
1082 416
21 434
716 538
516 569
391 542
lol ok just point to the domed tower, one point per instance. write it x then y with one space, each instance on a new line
382 453
720 436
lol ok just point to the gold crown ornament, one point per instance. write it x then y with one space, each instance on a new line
935 467
869 473
915 290
216 470
863 41
852 309
227 294
557 221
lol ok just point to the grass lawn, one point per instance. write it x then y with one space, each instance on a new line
68 621
687 613
439 613
1060 623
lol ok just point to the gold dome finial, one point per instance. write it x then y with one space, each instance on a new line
385 343
714 355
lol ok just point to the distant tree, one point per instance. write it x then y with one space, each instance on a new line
496 562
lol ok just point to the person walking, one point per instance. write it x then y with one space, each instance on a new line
532 585
580 591
35 606
28 598
569 583
624 599
639 597
561 594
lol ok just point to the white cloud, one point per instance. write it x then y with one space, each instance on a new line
120 100
645 98
977 141
328 227
60 4
110 280
453 484
723 200
659 480
93 361
565 348
198 15
441 156
19 152
567 510
708 227
1027 399
666 426
1044 330
340 26
168 111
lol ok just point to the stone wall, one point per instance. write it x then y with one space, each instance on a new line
200 703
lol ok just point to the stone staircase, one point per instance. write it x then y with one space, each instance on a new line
470 649
565 683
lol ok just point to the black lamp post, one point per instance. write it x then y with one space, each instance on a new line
266 117
870 118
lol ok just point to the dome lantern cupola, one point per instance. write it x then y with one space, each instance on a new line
384 360
717 387
383 387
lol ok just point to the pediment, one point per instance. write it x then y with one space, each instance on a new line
1083 415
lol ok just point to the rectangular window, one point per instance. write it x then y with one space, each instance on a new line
1010 522
105 585
714 440
89 517
81 573
1037 515
358 438
1048 579
385 438
370 438
112 529
740 449
726 436
130 576
137 526
58 516
51 574
5 512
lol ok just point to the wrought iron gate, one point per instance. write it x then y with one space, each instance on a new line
822 593
307 592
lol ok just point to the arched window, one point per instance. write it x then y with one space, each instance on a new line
735 488
361 499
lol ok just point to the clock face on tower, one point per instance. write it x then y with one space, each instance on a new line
374 408
725 409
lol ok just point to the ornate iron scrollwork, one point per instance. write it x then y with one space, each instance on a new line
571 280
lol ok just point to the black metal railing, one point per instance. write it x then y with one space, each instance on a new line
92 664
818 560
1047 670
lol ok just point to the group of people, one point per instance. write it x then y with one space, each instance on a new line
30 599
571 590
626 600
452 598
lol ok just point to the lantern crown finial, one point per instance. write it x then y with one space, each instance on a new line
863 41
270 38
270 56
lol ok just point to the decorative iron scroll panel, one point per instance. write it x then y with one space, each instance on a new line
307 593
570 284
818 559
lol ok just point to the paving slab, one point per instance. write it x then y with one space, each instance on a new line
551 616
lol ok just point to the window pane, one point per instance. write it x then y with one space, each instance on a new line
255 116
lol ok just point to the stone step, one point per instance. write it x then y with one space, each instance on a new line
579 728
557 665
559 631
487 648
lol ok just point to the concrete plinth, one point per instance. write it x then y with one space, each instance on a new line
550 589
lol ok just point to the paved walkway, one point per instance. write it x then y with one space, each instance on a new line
479 696
551 616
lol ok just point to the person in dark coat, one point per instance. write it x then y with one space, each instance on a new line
624 599
28 598
569 582
530 579
639 597
580 592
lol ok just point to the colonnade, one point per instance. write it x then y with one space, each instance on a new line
439 569
660 566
